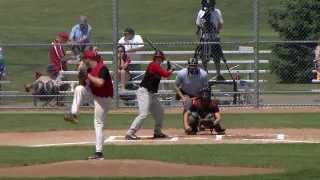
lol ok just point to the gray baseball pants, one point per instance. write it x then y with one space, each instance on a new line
147 102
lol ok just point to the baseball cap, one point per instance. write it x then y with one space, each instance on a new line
90 54
64 35
129 30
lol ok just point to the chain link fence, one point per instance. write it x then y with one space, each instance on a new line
269 46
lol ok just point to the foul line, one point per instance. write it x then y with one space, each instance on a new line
283 141
62 144
114 139
110 139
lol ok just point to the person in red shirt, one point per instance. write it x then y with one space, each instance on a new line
124 63
57 54
147 100
99 88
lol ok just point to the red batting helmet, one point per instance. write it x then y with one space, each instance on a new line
160 54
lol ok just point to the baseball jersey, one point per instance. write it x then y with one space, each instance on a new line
203 111
192 84
152 77
101 71
56 54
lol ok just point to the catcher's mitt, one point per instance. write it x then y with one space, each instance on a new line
206 123
82 76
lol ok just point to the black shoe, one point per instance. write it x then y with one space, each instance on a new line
159 136
96 156
71 118
131 137
219 129
221 132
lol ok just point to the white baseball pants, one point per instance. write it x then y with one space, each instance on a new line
101 107
147 102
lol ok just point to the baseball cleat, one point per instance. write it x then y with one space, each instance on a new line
159 136
222 132
96 156
72 118
131 137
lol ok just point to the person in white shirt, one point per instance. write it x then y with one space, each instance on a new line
209 23
216 16
132 43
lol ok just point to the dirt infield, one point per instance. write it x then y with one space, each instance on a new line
177 136
146 168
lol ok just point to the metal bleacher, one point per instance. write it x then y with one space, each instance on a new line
166 88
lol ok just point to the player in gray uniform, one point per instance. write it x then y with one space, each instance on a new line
189 82
147 100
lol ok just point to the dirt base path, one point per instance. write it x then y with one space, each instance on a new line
127 168
177 136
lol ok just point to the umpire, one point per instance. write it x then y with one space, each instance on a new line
189 82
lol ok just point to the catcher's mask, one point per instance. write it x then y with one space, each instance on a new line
193 66
159 54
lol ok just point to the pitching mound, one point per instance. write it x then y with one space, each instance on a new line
136 168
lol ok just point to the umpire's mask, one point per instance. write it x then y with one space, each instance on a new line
193 66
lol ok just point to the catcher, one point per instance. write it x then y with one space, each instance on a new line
203 114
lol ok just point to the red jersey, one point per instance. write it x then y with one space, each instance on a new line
153 76
203 111
56 54
101 71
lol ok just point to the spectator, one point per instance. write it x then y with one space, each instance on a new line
124 62
209 23
57 54
129 41
49 85
79 36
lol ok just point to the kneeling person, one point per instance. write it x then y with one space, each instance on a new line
203 113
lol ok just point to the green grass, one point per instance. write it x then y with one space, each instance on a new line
300 161
38 21
51 122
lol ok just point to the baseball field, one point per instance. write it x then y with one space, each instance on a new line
42 145
264 144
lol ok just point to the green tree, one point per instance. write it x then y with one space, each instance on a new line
295 20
